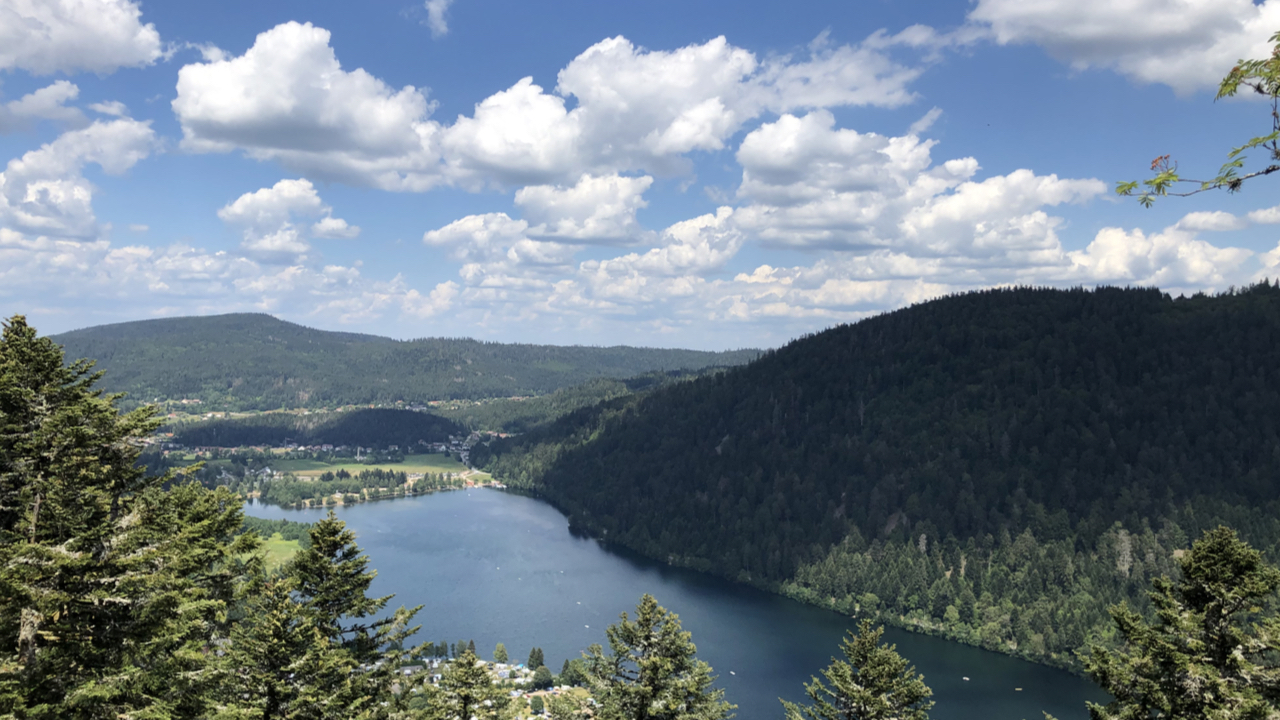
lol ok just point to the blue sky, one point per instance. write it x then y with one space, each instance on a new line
698 174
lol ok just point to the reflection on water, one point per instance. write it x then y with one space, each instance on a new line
495 567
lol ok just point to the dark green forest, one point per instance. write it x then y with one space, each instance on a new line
376 427
996 467
512 415
256 362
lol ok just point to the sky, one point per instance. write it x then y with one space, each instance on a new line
697 174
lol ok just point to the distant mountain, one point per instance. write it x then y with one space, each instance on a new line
997 467
254 361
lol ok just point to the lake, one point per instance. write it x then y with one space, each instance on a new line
495 567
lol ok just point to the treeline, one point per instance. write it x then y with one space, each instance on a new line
995 467
256 362
343 487
288 529
512 415
371 427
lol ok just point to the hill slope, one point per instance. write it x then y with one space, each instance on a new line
378 428
249 361
996 467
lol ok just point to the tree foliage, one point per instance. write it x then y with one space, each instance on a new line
651 671
1211 652
997 467
1262 76
873 682
368 427
467 691
111 585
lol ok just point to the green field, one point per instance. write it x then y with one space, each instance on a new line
413 464
279 551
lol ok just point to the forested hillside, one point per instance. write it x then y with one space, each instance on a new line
997 467
367 428
249 361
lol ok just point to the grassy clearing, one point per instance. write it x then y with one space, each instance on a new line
279 551
413 464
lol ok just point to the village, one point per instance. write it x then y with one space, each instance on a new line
528 692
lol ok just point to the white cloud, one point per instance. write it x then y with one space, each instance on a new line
267 218
594 210
812 185
44 191
77 276
633 110
476 237
435 17
1185 44
1171 259
691 247
1215 221
288 99
113 108
47 103
517 136
48 36
1266 216
335 229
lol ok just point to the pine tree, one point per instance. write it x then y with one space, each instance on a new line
332 580
270 659
1209 653
873 682
571 672
466 690
568 707
651 672
500 653
111 587
535 659
302 649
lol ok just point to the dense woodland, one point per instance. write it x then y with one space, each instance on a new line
521 415
370 427
997 467
256 362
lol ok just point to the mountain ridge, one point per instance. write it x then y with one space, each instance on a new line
244 361
997 467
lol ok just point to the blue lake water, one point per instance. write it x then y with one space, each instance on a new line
495 567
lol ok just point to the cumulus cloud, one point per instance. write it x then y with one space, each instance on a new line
616 108
1185 44
99 36
477 237
594 210
691 247
1266 216
1216 221
886 225
268 217
809 184
113 108
288 99
181 279
1174 258
435 17
44 191
47 103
